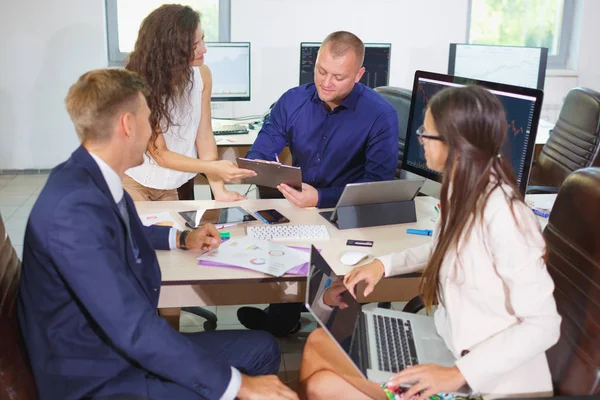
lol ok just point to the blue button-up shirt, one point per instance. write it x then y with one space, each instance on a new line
355 142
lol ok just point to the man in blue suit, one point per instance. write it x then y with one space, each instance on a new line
90 281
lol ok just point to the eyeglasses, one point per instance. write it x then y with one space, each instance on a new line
422 135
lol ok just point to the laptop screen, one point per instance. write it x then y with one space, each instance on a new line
334 307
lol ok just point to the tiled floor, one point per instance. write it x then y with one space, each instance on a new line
19 193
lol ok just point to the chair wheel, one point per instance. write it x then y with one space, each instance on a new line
210 325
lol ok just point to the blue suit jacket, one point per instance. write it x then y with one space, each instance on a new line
87 307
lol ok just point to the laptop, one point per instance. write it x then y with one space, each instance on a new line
379 342
356 194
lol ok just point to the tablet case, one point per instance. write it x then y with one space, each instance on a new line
375 204
272 174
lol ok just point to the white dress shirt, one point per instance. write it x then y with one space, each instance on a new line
116 190
497 300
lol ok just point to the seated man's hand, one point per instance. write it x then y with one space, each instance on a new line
267 387
308 197
205 238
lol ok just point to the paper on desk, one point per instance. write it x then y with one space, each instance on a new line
161 219
301 269
257 255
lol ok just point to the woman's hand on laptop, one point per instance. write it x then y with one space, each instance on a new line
427 380
370 273
333 295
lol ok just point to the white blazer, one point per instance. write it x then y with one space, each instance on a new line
497 301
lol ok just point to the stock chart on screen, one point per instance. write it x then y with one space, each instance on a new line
522 112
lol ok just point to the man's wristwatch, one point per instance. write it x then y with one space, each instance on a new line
182 238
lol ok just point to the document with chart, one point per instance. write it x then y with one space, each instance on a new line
257 255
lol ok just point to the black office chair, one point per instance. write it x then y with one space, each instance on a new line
400 99
573 144
186 192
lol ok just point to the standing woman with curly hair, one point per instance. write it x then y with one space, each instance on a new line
169 55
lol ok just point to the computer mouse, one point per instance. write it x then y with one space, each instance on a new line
353 257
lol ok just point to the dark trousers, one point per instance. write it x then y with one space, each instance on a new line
186 191
283 317
251 352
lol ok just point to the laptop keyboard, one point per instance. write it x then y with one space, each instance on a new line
395 344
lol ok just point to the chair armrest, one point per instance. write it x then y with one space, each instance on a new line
414 305
542 190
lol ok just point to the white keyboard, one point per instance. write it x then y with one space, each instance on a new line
288 232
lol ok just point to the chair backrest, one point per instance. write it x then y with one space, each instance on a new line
574 140
573 238
400 99
16 379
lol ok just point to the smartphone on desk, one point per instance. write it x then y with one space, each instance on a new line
271 217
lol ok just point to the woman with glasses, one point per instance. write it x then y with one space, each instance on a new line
169 55
484 271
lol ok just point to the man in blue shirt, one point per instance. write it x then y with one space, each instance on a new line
338 131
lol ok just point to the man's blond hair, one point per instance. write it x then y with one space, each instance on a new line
340 42
99 97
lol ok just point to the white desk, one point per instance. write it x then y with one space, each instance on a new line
246 139
230 147
185 283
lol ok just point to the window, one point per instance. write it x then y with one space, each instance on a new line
123 19
536 23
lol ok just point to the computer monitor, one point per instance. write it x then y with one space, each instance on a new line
513 65
229 64
376 63
522 107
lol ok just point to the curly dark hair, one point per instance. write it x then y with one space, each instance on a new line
162 55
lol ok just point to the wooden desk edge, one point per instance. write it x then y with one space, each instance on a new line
273 290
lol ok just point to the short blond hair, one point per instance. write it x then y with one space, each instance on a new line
340 42
97 98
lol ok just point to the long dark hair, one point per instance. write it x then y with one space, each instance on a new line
473 124
162 55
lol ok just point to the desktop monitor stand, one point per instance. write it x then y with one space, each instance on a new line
365 215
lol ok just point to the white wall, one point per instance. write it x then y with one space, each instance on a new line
46 45
419 31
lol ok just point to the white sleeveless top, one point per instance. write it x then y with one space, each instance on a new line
180 138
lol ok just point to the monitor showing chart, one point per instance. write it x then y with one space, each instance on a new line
376 63
229 64
513 65
522 107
